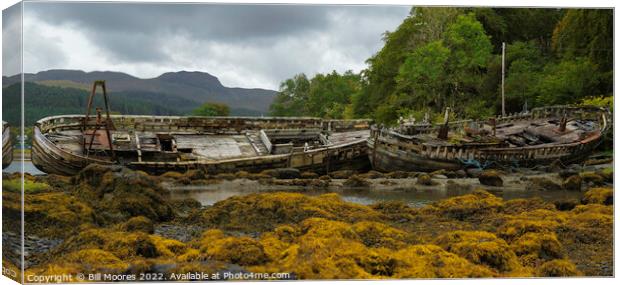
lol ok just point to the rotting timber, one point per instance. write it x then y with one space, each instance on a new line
544 135
7 146
157 144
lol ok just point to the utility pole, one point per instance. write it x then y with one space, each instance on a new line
503 72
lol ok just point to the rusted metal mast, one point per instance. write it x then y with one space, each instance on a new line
106 124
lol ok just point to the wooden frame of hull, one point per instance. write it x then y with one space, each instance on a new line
390 151
353 155
7 146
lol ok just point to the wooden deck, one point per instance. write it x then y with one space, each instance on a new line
519 140
167 143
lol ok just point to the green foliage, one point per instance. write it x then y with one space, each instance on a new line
600 101
41 101
290 100
586 32
567 81
451 57
326 96
212 109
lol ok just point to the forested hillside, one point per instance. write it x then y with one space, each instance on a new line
451 57
42 101
181 91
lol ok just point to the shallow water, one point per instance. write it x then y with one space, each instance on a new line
15 166
413 197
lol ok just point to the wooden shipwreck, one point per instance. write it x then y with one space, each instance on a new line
7 146
542 136
156 144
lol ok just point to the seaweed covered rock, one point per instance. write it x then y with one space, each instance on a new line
604 196
309 175
517 206
374 234
237 250
124 245
558 268
373 175
536 221
572 183
342 174
266 211
283 173
356 181
400 175
395 211
481 248
491 178
139 223
46 212
542 184
589 224
317 248
431 261
592 178
185 205
607 174
327 249
82 261
478 203
426 180
117 194
535 248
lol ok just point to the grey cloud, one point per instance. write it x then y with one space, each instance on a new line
11 40
256 42
226 22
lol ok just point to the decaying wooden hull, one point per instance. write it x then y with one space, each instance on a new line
157 144
7 146
391 150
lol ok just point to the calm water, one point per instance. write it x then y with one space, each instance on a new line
412 197
15 166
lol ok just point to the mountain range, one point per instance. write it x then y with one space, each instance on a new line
183 91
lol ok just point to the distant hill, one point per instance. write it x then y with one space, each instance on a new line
194 88
42 101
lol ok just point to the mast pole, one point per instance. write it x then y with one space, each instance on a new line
503 72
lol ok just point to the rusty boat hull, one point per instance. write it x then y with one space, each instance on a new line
7 146
515 143
157 144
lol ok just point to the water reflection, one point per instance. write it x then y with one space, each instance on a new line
15 166
412 197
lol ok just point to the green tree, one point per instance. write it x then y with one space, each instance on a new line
330 94
325 95
212 109
525 63
588 33
567 81
424 25
292 97
422 79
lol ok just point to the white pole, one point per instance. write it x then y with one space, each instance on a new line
503 68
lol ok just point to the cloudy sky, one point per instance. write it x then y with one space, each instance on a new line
243 45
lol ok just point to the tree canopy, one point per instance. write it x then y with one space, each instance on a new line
451 57
211 110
